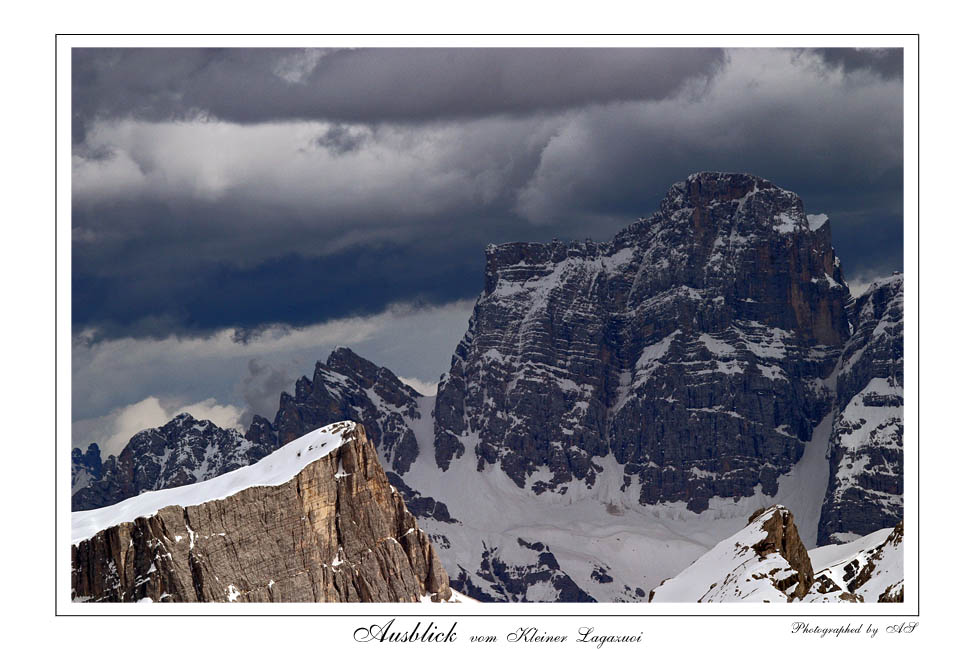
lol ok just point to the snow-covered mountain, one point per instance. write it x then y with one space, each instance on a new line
767 562
616 410
181 452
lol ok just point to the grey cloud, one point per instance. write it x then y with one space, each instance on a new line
340 139
199 225
839 147
262 387
369 85
113 374
887 63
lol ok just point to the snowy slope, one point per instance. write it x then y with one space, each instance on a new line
755 565
870 568
612 546
274 469
735 571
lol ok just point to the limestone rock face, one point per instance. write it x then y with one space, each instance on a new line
181 452
691 347
337 531
866 454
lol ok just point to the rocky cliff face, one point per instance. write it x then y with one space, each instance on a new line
335 531
867 443
181 452
690 347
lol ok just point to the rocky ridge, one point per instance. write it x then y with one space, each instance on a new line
335 531
767 562
346 386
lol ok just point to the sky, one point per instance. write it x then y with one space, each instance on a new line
239 213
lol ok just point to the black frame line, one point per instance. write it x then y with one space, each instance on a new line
917 613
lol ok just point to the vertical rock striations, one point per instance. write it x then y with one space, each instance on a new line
336 531
691 347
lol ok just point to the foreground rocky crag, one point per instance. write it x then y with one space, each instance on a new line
334 531
767 562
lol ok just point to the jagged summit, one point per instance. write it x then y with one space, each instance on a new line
182 451
750 197
701 198
348 387
739 239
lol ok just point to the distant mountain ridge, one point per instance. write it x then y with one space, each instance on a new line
706 361
182 451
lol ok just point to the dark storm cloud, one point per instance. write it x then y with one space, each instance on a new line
888 63
369 85
198 225
341 139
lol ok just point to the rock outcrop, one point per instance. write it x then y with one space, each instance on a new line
868 569
335 531
767 562
866 454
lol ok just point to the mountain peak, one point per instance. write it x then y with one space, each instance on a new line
324 497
